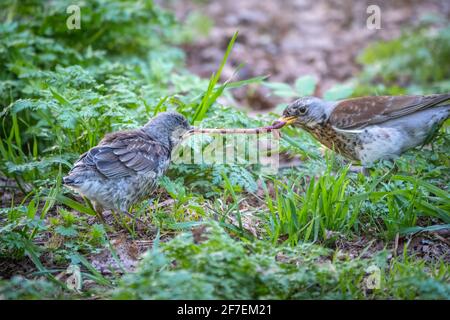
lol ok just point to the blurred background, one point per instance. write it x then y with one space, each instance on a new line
290 38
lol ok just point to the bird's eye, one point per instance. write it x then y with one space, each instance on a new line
302 110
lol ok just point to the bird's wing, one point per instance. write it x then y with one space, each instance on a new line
123 156
358 113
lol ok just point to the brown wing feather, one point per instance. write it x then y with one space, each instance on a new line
359 112
125 154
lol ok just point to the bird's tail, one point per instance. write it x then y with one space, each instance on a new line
445 115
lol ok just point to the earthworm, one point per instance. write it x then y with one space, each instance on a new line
275 126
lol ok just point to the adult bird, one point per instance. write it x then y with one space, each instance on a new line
124 167
367 129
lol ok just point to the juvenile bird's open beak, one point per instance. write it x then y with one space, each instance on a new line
288 120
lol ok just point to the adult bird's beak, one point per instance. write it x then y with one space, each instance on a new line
288 120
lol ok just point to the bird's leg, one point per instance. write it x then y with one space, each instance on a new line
360 169
165 203
145 226
365 171
98 209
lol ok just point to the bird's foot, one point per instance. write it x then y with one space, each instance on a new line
101 216
165 203
142 226
135 218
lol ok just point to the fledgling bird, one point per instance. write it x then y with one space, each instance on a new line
124 167
367 129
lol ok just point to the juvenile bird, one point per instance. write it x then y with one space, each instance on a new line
124 167
367 129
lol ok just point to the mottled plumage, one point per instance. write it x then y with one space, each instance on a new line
124 167
370 128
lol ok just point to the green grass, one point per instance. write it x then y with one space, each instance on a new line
308 208
314 231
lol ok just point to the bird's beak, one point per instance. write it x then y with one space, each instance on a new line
288 120
190 131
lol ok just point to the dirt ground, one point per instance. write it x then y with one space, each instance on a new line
290 38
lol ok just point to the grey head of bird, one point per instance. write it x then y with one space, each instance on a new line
168 128
308 112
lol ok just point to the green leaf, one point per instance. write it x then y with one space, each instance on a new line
185 225
338 92
59 97
281 89
432 228
239 84
75 205
306 85
211 93
66 231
